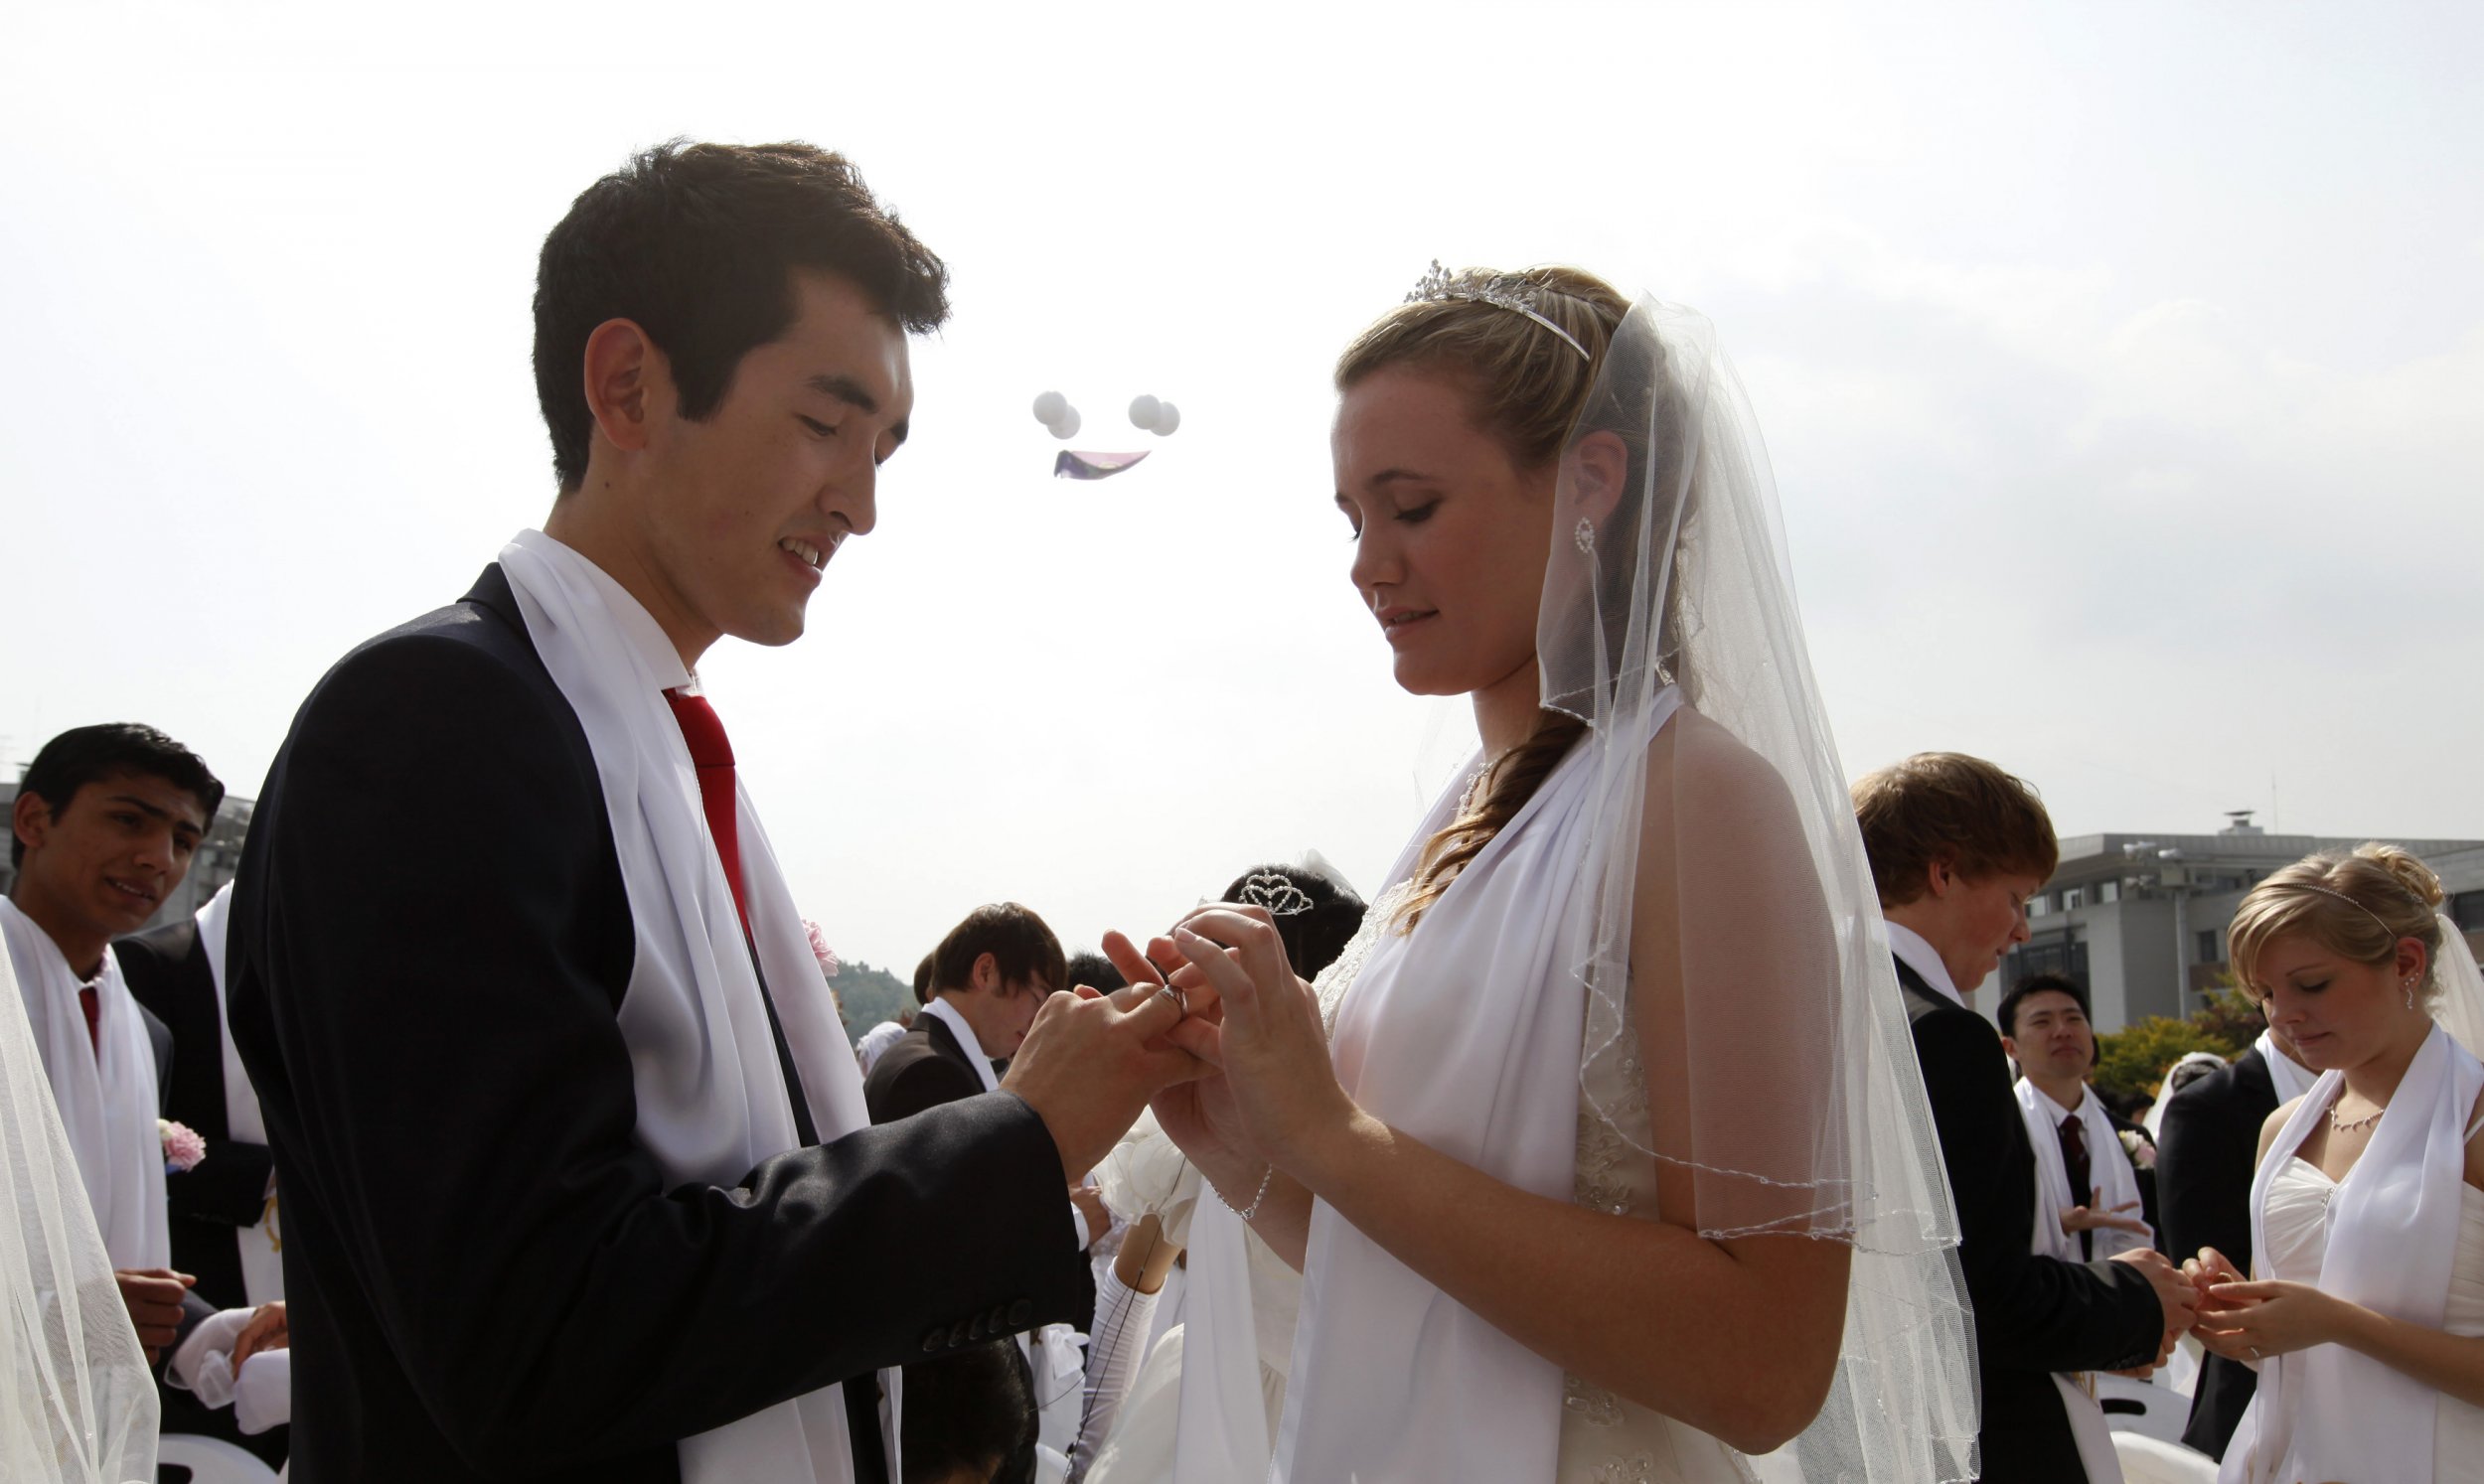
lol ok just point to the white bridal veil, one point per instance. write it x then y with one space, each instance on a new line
1791 1091
75 1400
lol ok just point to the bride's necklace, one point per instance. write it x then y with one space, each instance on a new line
2349 1125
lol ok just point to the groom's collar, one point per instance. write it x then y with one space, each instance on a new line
1915 952
949 1016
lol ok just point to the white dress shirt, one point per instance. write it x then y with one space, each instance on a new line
1915 952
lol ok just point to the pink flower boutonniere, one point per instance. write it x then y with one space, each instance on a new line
183 1148
819 949
2141 1151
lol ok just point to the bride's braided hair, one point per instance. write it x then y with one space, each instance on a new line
1526 389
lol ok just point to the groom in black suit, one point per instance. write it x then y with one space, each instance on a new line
1956 847
437 942
988 977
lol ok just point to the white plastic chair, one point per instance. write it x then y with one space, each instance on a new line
2143 1408
2148 1460
212 1461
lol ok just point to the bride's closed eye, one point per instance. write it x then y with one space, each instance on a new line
1419 513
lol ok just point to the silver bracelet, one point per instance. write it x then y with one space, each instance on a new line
1250 1210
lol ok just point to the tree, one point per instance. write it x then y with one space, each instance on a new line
2134 1058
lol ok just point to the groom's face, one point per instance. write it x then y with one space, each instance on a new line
748 504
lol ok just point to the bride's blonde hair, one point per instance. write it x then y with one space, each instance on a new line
1525 388
2357 905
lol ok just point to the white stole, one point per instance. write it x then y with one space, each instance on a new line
262 1263
107 1100
712 1096
2109 1169
1465 1034
2392 1238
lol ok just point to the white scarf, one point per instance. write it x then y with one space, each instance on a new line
2109 1169
2392 1237
262 1264
1464 1034
2289 1077
712 1096
948 1015
107 1100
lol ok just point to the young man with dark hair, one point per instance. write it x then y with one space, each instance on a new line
990 976
577 1175
2085 1187
107 821
1956 847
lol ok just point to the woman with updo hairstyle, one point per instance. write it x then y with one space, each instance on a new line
2366 1317
1599 1149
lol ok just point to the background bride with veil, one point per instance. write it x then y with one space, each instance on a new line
1600 1151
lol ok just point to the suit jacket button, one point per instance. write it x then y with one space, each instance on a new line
979 1328
931 1341
1021 1312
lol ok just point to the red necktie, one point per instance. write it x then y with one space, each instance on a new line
92 1005
712 751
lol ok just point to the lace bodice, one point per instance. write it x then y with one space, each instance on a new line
1604 1438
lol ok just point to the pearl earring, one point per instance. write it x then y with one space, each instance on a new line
2411 994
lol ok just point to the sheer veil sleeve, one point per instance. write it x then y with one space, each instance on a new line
1781 1074
76 1402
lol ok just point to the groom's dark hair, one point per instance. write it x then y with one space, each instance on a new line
697 244
1020 945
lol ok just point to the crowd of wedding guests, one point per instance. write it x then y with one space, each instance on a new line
2093 1243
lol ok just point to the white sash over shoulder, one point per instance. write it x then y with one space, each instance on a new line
712 1095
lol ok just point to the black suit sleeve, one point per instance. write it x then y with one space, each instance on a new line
444 943
920 1082
2204 1164
2031 1312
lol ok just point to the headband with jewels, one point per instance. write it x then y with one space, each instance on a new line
1501 290
1275 893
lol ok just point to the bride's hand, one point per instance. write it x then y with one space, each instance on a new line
1200 1116
1269 1043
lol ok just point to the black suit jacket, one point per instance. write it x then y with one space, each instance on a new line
168 973
488 1274
2205 1164
926 1068
2033 1315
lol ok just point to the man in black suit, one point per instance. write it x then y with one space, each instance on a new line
988 977
505 939
2204 1161
1956 847
225 1201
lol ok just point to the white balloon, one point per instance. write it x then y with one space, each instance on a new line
1066 425
1167 418
1049 407
1143 412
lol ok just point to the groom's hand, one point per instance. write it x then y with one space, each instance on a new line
1092 1060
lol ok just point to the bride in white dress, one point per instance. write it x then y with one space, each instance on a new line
1601 1150
2367 1324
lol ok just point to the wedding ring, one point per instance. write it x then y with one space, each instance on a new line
1179 1002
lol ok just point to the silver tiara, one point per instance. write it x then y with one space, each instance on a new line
1501 291
1276 894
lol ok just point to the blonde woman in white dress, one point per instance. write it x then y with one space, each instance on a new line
2366 1318
1618 1169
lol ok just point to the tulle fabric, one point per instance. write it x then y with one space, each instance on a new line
1780 1071
76 1402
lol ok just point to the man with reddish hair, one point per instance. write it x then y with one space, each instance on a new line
1956 847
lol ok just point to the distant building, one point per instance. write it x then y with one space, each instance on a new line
2140 920
217 860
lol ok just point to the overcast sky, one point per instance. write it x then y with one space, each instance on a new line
2120 366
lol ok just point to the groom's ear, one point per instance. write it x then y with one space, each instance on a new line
621 368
